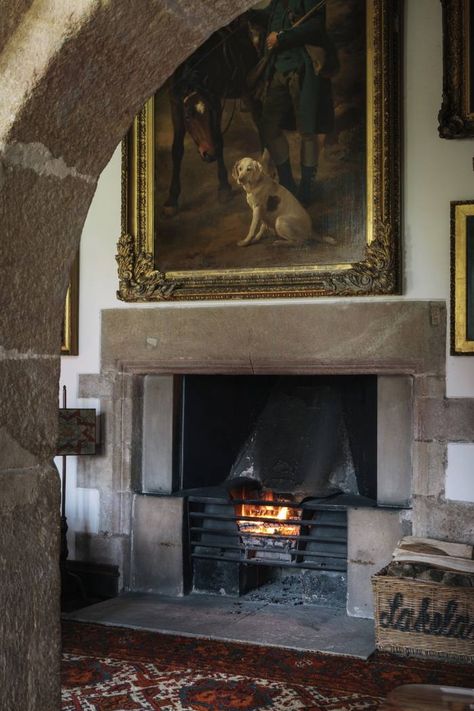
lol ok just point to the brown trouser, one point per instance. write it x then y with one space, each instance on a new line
282 95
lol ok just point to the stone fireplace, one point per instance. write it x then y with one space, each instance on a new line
266 468
382 483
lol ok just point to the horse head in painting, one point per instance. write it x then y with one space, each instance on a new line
198 90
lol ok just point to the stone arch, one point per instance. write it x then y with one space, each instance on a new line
72 79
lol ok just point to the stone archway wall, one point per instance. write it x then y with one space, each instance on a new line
72 76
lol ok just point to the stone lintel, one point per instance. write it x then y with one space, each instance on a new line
315 336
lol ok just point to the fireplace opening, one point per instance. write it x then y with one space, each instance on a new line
268 467
300 436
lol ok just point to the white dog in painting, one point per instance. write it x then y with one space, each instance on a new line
272 205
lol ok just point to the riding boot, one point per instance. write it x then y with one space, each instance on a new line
306 188
285 176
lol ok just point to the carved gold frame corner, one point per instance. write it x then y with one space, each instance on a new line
70 327
456 116
461 309
378 273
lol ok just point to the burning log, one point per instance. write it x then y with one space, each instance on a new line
263 528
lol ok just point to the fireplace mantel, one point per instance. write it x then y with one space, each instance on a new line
330 337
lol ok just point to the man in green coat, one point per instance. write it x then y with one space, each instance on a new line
298 87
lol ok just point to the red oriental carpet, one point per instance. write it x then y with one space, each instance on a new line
116 669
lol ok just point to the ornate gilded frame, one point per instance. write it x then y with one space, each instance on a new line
456 116
70 326
377 273
462 274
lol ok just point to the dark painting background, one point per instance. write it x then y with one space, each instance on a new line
470 58
204 233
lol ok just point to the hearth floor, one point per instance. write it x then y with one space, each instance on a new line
305 627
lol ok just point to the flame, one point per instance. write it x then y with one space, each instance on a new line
272 510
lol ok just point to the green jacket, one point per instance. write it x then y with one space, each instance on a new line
316 110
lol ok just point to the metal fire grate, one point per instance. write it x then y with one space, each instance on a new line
321 543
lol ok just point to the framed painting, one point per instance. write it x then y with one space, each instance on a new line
462 278
268 165
456 117
70 325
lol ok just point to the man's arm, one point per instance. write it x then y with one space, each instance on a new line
312 31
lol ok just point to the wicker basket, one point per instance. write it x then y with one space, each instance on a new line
420 618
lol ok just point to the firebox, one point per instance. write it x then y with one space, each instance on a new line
267 467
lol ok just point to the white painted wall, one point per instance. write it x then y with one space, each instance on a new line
435 172
460 472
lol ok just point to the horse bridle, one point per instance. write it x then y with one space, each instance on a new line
188 96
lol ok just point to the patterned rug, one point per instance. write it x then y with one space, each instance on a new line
115 669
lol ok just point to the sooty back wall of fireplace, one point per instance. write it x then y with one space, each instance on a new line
219 413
